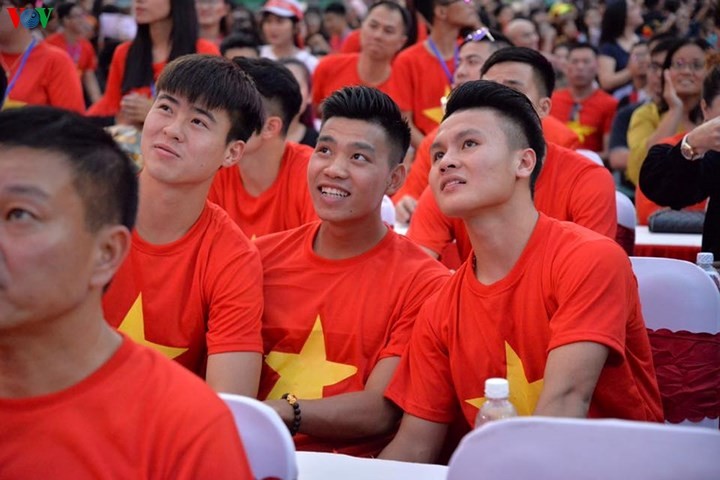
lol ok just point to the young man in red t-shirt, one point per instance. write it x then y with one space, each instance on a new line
192 284
38 73
583 105
341 295
382 34
549 305
266 191
77 399
570 187
72 39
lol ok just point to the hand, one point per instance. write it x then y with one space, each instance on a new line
669 94
706 136
134 108
404 209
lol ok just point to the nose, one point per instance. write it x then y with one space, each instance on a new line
446 163
173 129
336 168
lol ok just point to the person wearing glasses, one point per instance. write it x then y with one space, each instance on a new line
425 70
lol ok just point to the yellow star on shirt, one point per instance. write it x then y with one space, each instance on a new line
436 113
523 394
133 325
305 374
581 130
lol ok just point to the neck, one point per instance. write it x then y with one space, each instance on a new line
160 37
165 213
259 169
373 71
337 241
296 131
285 50
16 42
499 237
70 37
445 38
581 92
210 32
49 356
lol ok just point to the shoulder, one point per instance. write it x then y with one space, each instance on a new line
605 98
410 54
280 245
222 230
337 60
569 245
298 153
55 39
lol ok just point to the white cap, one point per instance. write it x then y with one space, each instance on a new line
497 388
704 258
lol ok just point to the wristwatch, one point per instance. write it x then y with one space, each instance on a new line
687 150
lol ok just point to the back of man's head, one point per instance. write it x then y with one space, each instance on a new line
103 175
373 106
277 86
543 71
521 123
218 84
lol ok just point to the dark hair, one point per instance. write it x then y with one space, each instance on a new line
407 18
277 86
336 8
216 83
521 126
373 106
103 175
583 46
64 9
542 69
613 21
695 115
183 39
3 85
663 45
711 85
307 117
427 8
240 40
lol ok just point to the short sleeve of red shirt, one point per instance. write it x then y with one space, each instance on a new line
285 205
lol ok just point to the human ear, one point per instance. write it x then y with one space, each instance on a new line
111 247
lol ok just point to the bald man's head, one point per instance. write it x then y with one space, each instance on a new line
522 33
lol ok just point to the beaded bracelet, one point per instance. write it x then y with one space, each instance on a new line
293 402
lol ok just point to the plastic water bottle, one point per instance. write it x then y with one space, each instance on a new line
497 405
705 261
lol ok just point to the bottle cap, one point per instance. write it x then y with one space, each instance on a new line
704 258
497 388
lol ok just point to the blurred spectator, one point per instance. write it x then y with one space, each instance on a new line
336 25
211 19
302 128
619 22
240 45
280 26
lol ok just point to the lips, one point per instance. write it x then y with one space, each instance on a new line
333 191
451 182
166 149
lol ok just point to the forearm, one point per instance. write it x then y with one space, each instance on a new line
345 416
568 403
417 440
612 80
668 179
91 86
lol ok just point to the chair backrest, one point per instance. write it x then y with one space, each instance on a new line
544 448
387 210
594 156
676 295
267 441
625 211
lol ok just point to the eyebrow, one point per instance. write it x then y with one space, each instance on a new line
460 134
26 191
175 101
358 144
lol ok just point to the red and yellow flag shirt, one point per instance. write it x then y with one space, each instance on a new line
569 285
327 323
191 298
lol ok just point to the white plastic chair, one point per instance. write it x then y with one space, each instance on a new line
544 448
626 216
594 156
387 211
676 295
267 441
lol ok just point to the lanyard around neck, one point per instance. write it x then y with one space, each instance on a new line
441 60
15 77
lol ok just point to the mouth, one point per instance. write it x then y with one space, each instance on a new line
166 149
451 184
333 192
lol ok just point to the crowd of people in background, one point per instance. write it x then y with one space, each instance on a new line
264 137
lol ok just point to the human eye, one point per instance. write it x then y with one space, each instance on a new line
437 156
19 215
163 107
322 149
197 121
469 143
359 156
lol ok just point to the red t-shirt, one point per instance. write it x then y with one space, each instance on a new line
82 53
570 187
286 204
417 179
327 323
421 83
645 207
194 297
594 117
569 285
109 104
49 77
137 416
337 71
